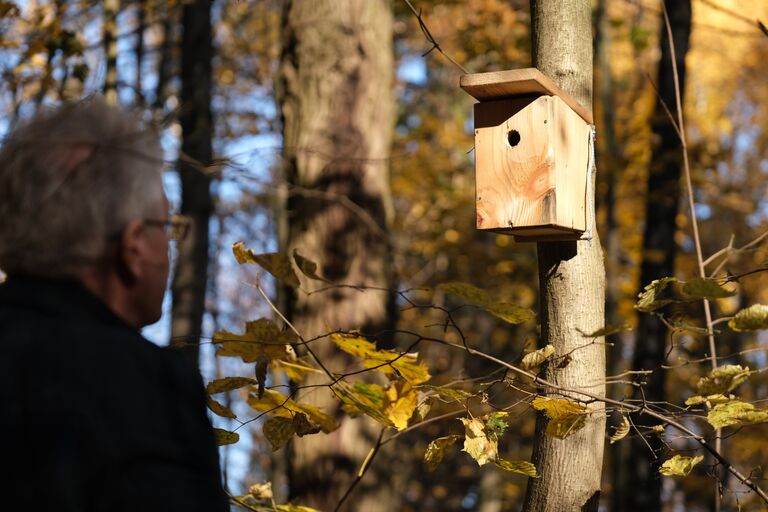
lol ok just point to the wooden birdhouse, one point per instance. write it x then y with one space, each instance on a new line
532 156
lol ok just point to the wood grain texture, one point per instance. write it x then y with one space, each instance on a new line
497 85
531 168
572 288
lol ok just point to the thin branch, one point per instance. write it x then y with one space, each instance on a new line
431 39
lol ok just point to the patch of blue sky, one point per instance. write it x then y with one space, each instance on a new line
412 69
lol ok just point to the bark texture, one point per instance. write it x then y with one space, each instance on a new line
336 98
189 284
572 287
659 249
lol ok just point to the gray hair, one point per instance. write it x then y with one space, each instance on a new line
70 178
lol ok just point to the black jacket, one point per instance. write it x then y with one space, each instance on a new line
93 417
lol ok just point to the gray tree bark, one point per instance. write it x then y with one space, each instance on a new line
572 287
335 91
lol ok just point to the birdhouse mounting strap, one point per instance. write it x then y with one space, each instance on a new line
589 206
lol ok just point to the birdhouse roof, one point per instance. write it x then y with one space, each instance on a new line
498 85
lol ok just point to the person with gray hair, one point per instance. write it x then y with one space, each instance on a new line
95 417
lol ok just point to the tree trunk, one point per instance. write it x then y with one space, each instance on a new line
189 284
659 249
336 98
572 286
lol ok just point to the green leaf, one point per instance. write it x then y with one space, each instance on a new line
277 404
363 398
608 330
566 417
307 267
219 409
392 364
228 384
436 451
705 288
448 395
477 444
736 412
753 318
679 465
275 263
537 357
647 300
510 313
278 431
722 380
496 424
225 437
262 341
518 466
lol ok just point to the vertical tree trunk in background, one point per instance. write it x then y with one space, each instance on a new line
572 286
658 249
335 91
141 26
110 50
189 283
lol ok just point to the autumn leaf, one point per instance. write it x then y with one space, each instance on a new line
608 330
225 437
400 401
294 508
295 371
566 417
303 426
363 398
621 431
477 444
393 364
518 466
736 413
496 423
275 263
510 313
722 380
679 465
448 395
307 267
262 341
712 399
261 491
753 318
228 384
278 431
219 409
706 288
647 300
436 450
277 404
537 357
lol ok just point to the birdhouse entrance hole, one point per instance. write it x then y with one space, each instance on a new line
513 137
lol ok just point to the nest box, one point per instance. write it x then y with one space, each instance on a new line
532 154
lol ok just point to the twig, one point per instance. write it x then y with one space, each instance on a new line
431 39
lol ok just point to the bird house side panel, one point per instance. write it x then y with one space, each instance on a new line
571 149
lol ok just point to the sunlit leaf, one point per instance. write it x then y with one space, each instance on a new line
261 491
277 404
262 341
734 413
537 357
275 263
219 409
508 312
307 267
679 465
225 437
705 288
294 508
423 409
391 363
295 371
753 318
621 431
712 399
608 330
228 384
278 431
436 450
363 398
466 291
647 300
566 417
399 403
477 444
518 466
722 380
448 394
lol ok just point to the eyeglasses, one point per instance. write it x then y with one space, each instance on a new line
175 228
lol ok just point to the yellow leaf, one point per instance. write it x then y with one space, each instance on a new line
219 409
400 402
607 331
705 288
647 300
537 357
466 291
448 395
753 318
477 444
295 371
261 491
679 465
565 416
363 398
392 364
722 380
510 313
275 263
262 341
277 404
295 508
621 431
712 399
436 451
278 431
518 466
225 437
307 267
736 413
228 384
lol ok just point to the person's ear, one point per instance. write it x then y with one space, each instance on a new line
132 250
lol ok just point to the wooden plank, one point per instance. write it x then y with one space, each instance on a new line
517 82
